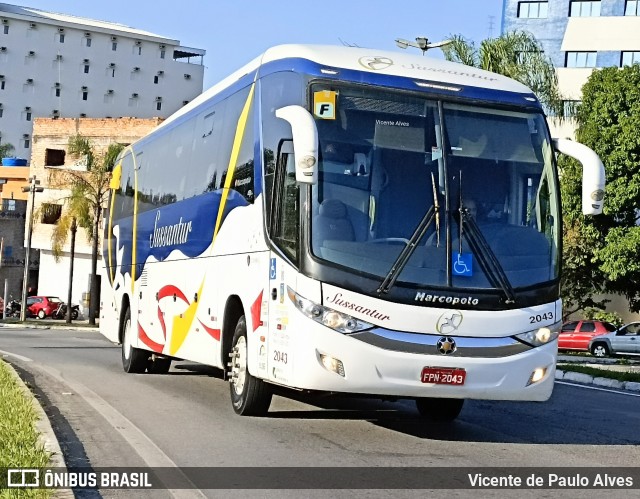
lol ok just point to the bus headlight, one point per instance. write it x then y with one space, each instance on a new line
326 316
539 337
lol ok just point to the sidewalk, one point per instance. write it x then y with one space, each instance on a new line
77 325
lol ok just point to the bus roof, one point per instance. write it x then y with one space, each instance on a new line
400 64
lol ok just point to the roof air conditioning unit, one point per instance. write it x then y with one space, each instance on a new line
109 91
29 81
185 102
138 42
3 49
27 108
136 69
55 111
84 88
134 96
31 53
86 61
187 76
33 25
60 30
87 34
25 135
114 38
5 21
83 115
163 46
160 73
56 85
158 99
59 57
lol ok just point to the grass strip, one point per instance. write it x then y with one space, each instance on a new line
601 373
19 444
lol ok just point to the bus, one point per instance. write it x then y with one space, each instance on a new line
348 221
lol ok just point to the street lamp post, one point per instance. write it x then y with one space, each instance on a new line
32 188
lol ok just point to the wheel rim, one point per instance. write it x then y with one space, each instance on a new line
599 351
239 365
126 341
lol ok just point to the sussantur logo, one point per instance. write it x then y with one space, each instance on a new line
375 63
449 322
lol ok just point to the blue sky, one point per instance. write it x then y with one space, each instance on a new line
235 31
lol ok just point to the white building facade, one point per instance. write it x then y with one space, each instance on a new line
55 65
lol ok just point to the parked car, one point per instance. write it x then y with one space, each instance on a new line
42 306
622 341
576 335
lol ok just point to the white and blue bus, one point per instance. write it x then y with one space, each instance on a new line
346 220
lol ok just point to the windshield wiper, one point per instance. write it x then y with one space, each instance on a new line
400 263
487 258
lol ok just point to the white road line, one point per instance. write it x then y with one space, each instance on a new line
152 455
599 389
19 357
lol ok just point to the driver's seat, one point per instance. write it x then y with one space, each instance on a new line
332 223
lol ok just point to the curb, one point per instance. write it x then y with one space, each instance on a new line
48 326
587 379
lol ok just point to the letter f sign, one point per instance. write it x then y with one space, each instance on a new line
325 104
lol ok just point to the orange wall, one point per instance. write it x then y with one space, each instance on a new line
16 177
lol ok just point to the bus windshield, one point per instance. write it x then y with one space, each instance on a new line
399 172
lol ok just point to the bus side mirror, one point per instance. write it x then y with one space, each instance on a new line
305 142
593 177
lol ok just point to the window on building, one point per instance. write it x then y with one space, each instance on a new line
533 10
159 106
1 111
88 42
51 213
631 8
86 68
629 58
57 92
584 9
27 115
2 84
162 54
6 29
580 60
26 144
61 37
54 157
114 46
85 95
8 205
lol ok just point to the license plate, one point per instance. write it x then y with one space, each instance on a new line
443 375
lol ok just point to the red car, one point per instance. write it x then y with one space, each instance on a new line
42 306
575 335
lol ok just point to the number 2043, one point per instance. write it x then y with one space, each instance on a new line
540 317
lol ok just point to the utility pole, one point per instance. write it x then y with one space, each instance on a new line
32 188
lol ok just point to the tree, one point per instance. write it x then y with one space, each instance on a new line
601 253
6 149
87 193
517 55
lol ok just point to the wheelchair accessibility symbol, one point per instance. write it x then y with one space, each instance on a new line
463 264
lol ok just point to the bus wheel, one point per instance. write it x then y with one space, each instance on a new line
442 410
134 360
159 365
250 396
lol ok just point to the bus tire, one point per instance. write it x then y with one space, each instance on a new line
134 360
250 396
159 365
441 410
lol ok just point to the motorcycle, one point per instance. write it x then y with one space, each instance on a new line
13 309
61 311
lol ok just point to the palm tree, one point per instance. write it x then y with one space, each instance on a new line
87 194
517 55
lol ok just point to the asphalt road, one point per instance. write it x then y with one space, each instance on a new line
104 417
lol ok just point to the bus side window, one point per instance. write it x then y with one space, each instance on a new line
286 217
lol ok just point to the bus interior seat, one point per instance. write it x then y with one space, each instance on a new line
332 223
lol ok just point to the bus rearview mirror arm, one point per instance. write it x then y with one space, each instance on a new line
305 142
593 176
